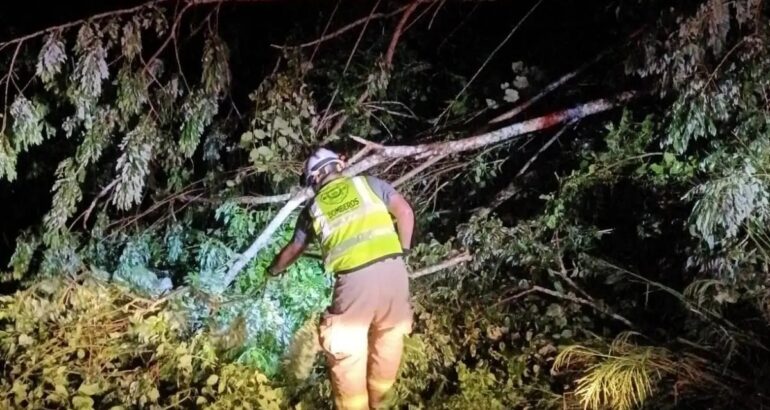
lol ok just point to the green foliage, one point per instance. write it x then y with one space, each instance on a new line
51 58
627 375
133 165
21 259
216 72
89 72
284 124
29 127
67 195
127 135
89 345
198 110
726 203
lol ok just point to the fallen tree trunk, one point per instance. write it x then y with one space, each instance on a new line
380 154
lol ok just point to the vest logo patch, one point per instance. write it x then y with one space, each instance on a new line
334 195
343 208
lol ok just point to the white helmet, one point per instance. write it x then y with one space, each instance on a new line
319 161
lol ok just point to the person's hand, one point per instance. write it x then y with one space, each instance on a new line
271 273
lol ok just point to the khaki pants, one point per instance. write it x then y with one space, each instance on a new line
362 332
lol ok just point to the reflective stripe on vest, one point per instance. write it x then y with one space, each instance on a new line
345 245
354 225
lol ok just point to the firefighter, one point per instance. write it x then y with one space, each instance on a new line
362 332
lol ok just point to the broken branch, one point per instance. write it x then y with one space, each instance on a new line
382 154
512 188
464 257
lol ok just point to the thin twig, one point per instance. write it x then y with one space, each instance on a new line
347 28
488 59
8 79
545 147
388 60
113 13
326 29
79 22
363 96
171 36
99 196
512 188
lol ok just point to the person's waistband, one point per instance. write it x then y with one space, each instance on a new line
395 256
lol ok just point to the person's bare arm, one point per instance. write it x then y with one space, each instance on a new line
291 252
402 211
288 255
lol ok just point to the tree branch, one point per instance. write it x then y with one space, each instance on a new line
8 80
106 190
464 257
381 154
398 32
349 27
512 188
425 165
571 298
114 13
79 22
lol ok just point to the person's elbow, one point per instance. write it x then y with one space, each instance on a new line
401 209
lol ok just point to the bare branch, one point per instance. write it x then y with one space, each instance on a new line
512 188
464 257
106 190
264 238
114 13
511 131
261 200
8 79
388 60
398 32
81 21
411 174
348 27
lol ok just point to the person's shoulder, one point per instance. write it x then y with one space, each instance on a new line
373 180
304 213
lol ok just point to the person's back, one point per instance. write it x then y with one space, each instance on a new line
362 331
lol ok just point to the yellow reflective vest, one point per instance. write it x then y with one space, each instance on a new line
353 224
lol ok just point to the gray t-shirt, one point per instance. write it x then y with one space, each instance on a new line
303 230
